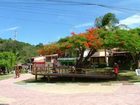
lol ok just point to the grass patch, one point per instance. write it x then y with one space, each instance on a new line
129 76
6 76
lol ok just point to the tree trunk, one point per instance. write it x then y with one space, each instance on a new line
79 61
106 58
135 61
83 62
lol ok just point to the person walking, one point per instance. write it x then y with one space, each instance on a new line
17 71
116 69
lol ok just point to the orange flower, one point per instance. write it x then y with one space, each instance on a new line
86 45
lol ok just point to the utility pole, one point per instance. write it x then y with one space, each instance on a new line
14 39
15 35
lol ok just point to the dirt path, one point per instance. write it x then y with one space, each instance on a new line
64 94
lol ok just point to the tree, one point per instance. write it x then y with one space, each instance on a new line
26 53
52 48
106 22
109 20
7 60
39 45
125 40
98 22
88 40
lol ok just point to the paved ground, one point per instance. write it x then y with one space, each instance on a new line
67 94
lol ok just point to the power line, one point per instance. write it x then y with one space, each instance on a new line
90 4
58 2
30 10
55 13
71 3
22 8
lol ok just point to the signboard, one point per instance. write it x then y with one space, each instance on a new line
138 72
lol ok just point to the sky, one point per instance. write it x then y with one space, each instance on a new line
46 21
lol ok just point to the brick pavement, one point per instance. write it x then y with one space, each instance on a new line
15 94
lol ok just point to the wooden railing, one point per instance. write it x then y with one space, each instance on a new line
65 69
69 71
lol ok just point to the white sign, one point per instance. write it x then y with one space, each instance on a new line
138 72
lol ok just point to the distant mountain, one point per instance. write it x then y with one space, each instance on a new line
23 51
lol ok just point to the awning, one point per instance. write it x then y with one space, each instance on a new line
121 53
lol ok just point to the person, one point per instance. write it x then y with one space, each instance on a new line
116 69
54 65
73 69
17 71
0 70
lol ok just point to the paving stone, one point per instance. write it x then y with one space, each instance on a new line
123 95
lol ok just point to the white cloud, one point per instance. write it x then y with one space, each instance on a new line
8 29
132 20
84 25
12 28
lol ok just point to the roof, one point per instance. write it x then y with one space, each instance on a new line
120 52
100 54
66 59
39 59
53 55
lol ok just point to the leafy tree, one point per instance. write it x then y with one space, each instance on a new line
109 20
98 22
135 31
106 22
125 40
26 53
39 45
88 40
7 59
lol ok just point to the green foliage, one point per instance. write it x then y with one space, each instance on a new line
125 40
39 45
122 39
108 20
7 59
22 51
98 22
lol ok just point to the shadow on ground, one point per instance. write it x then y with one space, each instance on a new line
68 80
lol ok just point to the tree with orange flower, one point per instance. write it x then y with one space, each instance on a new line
82 42
53 48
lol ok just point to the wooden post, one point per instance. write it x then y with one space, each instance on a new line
36 77
36 73
48 78
73 79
